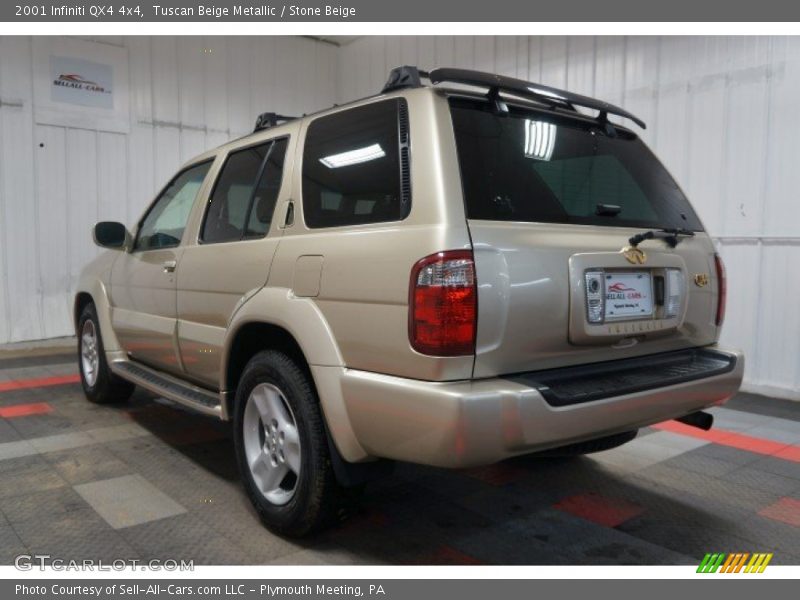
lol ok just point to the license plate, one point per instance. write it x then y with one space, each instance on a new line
628 296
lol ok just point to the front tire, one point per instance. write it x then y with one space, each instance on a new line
100 385
281 446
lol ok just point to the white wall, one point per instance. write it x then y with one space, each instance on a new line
722 113
187 94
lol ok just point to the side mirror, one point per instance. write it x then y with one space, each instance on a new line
110 234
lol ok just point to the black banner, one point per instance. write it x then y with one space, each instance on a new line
394 589
401 11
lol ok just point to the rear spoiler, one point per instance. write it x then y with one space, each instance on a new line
404 77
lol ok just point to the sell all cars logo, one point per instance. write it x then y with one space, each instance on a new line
620 291
76 82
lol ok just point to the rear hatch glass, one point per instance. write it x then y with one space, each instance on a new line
538 167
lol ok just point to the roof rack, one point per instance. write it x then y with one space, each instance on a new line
404 77
410 77
270 119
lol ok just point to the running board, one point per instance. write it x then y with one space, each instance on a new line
169 387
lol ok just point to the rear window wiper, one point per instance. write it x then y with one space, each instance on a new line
671 236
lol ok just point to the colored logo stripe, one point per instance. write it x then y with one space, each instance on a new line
711 563
758 563
732 558
733 563
741 562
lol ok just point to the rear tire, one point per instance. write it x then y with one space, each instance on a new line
100 385
281 446
590 446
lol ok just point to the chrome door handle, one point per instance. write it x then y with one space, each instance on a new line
169 266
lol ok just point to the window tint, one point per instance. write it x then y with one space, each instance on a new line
227 210
244 196
352 166
163 225
535 166
266 192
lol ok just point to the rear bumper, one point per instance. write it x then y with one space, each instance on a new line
461 424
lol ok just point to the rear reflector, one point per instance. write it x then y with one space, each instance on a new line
674 294
443 304
722 289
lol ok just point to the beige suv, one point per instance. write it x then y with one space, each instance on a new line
442 274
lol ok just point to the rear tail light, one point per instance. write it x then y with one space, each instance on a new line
722 289
443 304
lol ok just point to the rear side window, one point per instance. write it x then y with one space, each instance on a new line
356 166
538 167
245 193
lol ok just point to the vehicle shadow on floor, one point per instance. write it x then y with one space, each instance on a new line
206 441
531 511
528 510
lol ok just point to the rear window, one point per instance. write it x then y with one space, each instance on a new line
534 166
355 166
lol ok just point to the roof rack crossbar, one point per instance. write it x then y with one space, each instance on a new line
519 87
270 119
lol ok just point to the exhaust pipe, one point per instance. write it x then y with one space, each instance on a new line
701 420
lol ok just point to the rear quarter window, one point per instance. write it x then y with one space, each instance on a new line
355 166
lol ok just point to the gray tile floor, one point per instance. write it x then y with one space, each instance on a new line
150 480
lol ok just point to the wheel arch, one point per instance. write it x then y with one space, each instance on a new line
93 286
82 300
93 291
297 323
249 339
275 319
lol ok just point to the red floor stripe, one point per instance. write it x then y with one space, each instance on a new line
789 453
786 510
735 440
24 410
599 509
23 384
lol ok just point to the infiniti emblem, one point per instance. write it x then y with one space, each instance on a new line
633 255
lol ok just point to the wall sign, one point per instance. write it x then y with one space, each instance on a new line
81 84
